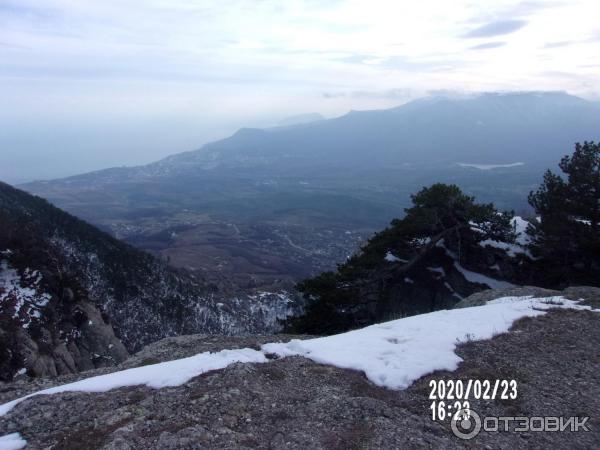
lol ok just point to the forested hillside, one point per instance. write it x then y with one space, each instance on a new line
72 297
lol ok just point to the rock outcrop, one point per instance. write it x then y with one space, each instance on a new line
294 403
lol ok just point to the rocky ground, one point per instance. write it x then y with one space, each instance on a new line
294 403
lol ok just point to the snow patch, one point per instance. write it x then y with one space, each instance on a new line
395 354
20 293
12 441
511 249
391 354
170 373
521 225
421 241
523 239
390 257
475 277
583 221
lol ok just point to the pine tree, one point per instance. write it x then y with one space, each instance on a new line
566 239
440 214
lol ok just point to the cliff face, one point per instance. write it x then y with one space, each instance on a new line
74 298
47 325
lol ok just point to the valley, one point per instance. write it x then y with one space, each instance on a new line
266 255
252 230
265 208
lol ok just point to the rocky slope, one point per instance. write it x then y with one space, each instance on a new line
74 298
298 404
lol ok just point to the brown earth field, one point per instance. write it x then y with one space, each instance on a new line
266 255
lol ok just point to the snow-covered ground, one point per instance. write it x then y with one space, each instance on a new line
395 354
170 373
391 354
12 441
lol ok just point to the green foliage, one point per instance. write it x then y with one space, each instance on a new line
355 294
567 238
324 315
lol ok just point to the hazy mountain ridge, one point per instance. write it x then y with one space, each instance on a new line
495 128
310 184
490 128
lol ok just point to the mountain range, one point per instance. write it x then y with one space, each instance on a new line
269 206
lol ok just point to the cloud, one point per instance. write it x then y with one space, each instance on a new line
487 45
354 59
519 10
594 37
391 94
10 45
559 44
529 7
70 63
496 28
422 65
14 9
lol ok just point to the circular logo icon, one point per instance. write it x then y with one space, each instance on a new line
466 424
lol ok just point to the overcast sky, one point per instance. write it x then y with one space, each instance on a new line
91 84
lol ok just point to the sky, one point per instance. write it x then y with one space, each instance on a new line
91 84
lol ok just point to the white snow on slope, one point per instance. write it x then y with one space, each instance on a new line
395 354
521 225
12 441
24 301
390 257
522 240
511 249
170 373
392 354
475 277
